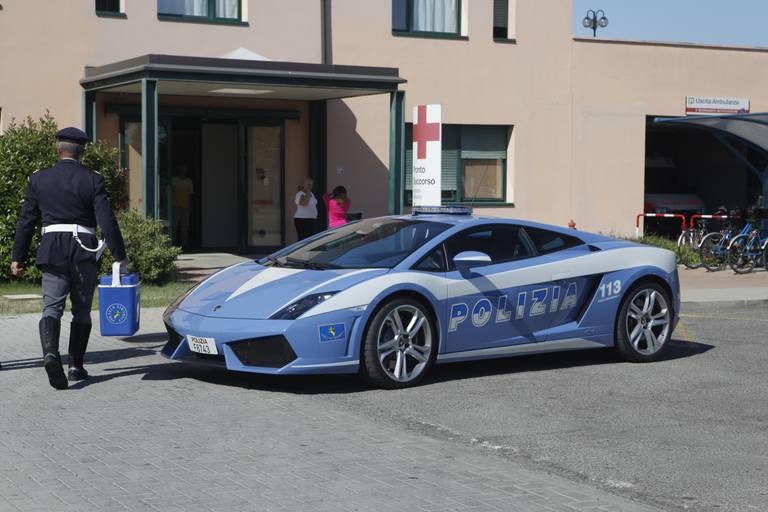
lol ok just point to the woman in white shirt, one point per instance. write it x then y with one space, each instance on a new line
305 218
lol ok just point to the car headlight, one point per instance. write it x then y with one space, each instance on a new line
301 306
175 304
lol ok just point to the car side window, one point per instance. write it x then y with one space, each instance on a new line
501 242
432 262
547 241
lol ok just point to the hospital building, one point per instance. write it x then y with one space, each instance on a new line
249 97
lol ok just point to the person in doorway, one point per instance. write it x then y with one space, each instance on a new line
71 200
337 203
305 218
183 190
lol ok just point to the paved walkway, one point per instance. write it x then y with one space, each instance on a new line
146 434
724 286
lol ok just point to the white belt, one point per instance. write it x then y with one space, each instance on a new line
68 228
75 229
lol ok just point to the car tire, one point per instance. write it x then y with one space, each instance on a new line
644 325
708 252
392 355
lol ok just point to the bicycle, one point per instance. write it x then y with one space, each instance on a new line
747 250
688 245
713 249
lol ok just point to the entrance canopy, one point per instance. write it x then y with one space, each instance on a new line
751 129
150 76
202 76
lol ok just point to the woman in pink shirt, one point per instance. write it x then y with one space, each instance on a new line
337 203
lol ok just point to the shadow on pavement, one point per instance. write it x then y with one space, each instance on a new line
343 384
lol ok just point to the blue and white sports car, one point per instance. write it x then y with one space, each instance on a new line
391 296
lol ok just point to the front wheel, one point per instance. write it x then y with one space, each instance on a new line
644 325
740 258
399 345
712 252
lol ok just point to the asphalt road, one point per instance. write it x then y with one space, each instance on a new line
687 433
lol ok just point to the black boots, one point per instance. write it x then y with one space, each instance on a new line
49 339
78 342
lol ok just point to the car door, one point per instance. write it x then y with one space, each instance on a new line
499 304
570 289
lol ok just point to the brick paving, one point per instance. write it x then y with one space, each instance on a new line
146 434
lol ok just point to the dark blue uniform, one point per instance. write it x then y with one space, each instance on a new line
66 193
71 201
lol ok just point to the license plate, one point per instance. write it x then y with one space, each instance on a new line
202 345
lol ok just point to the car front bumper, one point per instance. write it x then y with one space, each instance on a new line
268 346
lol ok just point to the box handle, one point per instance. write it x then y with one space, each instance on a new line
116 274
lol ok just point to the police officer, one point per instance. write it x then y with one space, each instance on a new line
71 200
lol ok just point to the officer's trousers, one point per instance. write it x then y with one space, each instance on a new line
78 282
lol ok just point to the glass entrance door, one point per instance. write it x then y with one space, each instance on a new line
264 182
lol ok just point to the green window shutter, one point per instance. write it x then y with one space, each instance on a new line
484 142
450 157
500 13
408 156
450 163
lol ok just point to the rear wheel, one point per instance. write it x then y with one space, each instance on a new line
765 256
712 252
687 248
644 325
739 255
399 345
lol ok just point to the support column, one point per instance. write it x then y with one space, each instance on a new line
149 149
318 156
89 114
396 152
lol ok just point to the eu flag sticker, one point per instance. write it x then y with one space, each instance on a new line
331 332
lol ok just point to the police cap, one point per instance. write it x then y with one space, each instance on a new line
72 134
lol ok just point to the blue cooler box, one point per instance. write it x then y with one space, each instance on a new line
119 303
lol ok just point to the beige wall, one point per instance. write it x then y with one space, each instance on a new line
578 107
45 45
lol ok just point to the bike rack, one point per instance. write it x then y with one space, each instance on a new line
713 216
664 215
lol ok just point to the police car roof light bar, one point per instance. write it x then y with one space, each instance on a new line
449 210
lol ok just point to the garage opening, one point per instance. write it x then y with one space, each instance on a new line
692 170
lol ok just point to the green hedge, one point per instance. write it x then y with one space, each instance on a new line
148 247
31 145
686 254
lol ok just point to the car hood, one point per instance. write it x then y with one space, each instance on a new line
253 291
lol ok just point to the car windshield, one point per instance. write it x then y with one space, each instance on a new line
381 243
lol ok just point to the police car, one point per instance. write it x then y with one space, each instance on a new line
389 297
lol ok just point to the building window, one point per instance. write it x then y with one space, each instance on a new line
111 8
503 20
213 10
474 163
438 17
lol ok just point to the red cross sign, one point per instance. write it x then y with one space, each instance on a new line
424 132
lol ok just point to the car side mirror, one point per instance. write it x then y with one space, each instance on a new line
465 261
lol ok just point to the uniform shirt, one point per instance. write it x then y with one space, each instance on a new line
306 212
66 193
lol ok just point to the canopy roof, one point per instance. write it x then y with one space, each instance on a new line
237 77
752 128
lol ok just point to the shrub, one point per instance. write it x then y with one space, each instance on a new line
686 254
148 247
31 145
